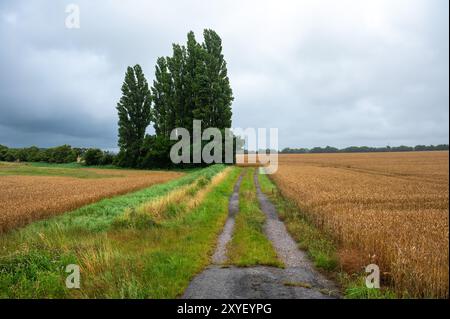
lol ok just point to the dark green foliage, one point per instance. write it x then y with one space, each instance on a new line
192 84
163 99
33 154
156 150
215 111
60 154
327 149
440 147
79 151
3 152
30 154
135 114
21 155
11 155
93 156
366 149
107 158
176 66
289 150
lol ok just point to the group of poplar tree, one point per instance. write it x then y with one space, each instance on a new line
190 85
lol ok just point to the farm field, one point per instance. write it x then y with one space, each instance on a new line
144 244
31 193
390 209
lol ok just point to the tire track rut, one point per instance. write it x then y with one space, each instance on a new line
298 280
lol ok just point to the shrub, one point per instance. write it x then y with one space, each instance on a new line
107 158
33 154
60 154
3 151
155 152
93 156
11 155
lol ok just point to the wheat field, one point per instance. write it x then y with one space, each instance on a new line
24 199
386 208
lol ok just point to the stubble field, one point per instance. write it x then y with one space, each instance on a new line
390 209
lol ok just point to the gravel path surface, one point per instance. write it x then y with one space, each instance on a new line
295 260
277 233
258 282
299 280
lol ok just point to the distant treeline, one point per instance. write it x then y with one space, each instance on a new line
59 154
95 156
366 149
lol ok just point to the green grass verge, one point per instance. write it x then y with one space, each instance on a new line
71 169
75 165
355 288
321 248
50 170
249 245
62 165
154 262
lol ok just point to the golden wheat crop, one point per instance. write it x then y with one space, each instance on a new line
392 208
24 199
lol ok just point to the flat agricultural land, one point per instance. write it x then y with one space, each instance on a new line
390 209
144 244
30 193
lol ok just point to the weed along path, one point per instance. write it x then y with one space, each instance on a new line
297 280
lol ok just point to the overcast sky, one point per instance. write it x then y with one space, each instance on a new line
331 72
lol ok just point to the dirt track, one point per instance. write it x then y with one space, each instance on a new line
298 280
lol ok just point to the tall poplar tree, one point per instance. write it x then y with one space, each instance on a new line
218 110
163 99
192 84
176 65
135 114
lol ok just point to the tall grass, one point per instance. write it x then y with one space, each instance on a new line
116 262
180 200
249 245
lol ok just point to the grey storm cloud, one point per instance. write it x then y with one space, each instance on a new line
324 72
